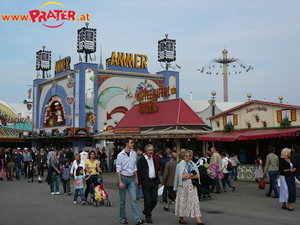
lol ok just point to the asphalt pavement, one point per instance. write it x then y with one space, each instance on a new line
31 203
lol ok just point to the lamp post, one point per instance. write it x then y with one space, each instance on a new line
213 104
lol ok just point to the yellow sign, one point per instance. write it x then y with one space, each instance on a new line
62 65
128 60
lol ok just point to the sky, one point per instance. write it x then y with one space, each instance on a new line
264 34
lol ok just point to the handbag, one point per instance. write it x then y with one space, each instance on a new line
262 184
195 181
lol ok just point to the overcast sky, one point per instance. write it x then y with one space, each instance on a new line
264 34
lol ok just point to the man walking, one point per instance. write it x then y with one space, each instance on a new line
216 159
41 160
127 180
148 181
168 179
27 158
19 162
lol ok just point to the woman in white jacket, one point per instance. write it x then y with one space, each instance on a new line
224 170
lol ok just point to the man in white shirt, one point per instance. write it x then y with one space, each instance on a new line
127 180
148 181
84 155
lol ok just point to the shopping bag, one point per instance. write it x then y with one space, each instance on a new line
278 182
160 190
262 184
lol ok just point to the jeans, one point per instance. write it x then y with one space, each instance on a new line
139 193
233 173
273 175
56 181
216 183
78 192
18 168
25 168
225 181
129 183
66 185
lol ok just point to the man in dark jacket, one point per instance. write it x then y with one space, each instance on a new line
148 180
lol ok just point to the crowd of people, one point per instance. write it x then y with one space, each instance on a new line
141 171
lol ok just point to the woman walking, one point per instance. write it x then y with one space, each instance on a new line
287 180
92 165
187 201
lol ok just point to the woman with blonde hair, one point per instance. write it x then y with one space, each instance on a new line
287 180
187 201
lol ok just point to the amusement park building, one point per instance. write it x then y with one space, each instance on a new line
250 128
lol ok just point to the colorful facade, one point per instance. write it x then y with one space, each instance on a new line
77 103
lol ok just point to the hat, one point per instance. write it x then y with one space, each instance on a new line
18 148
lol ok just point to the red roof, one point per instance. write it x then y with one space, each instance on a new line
223 136
251 102
269 133
170 112
240 135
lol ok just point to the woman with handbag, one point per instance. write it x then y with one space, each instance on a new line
287 180
187 201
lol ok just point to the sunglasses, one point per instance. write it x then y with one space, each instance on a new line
131 142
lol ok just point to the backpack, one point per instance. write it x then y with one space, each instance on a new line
229 166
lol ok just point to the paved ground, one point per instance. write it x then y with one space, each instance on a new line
31 203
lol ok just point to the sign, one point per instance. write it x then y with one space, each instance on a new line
43 60
166 50
70 100
128 60
127 130
162 92
81 131
146 107
258 108
86 40
62 65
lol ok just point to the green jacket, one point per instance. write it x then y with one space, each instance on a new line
272 162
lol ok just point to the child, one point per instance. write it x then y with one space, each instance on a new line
66 170
30 170
259 173
78 184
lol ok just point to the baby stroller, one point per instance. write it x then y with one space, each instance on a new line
204 190
97 192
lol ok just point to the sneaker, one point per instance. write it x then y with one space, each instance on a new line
28 180
69 193
65 193
82 203
140 222
75 202
57 193
52 193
